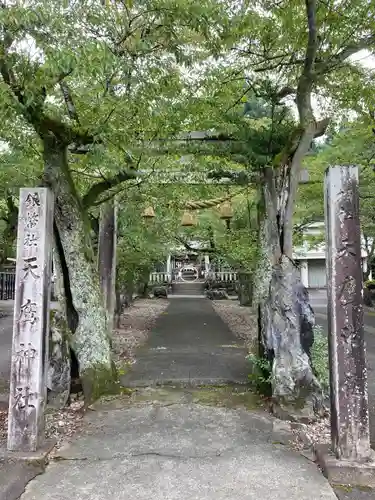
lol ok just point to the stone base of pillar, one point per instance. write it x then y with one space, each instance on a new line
38 457
345 472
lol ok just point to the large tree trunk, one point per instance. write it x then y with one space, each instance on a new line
59 366
286 317
287 322
83 303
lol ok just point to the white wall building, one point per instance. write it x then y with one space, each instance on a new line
312 258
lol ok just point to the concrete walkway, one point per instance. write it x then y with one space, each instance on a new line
190 344
166 446
182 443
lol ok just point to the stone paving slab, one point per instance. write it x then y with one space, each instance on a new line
181 430
14 476
168 451
190 368
161 478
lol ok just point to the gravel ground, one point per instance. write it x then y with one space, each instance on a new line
306 436
241 320
136 323
134 328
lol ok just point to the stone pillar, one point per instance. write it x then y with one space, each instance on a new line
107 257
206 264
364 265
348 374
169 268
28 390
304 273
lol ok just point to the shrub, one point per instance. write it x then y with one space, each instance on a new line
319 357
261 374
370 284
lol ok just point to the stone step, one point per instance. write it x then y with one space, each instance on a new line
195 288
192 293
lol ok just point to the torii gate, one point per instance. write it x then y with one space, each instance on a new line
181 176
107 231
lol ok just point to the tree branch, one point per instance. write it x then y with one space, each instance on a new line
321 127
242 177
35 115
284 92
309 127
307 77
97 189
312 43
33 111
72 112
346 52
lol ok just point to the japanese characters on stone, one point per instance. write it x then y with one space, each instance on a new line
25 352
31 264
30 344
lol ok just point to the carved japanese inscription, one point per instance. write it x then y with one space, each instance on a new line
30 267
348 375
31 239
31 315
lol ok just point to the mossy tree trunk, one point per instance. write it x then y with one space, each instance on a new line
59 366
83 303
286 317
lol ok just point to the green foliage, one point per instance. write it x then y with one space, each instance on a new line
353 143
7 244
143 71
138 246
123 77
261 374
320 359
370 284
